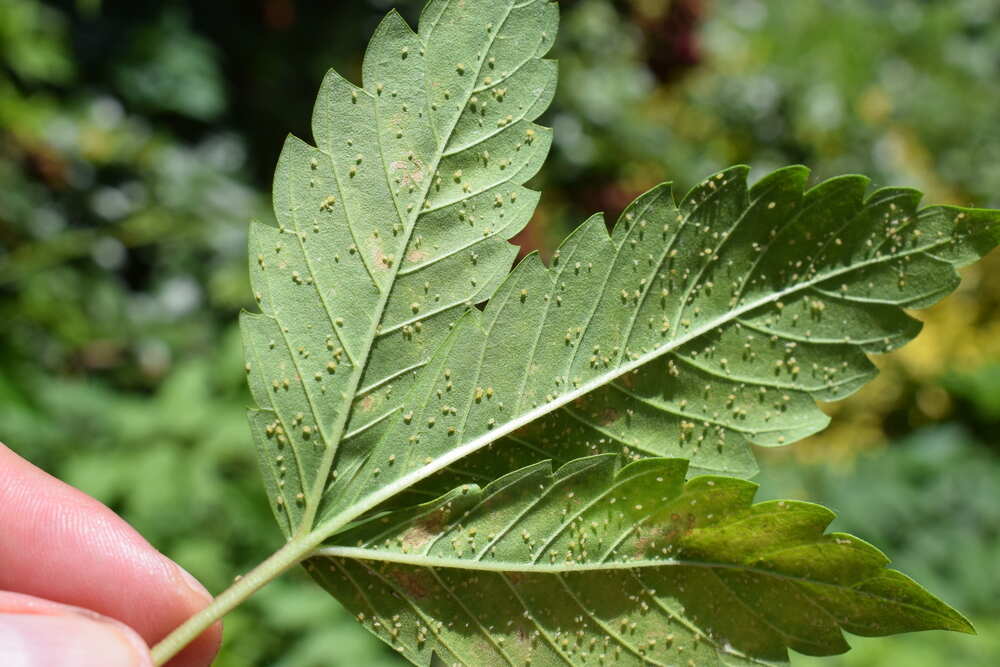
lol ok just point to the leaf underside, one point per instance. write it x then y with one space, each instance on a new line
689 331
600 565
389 229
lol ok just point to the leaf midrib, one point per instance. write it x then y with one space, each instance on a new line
418 560
509 567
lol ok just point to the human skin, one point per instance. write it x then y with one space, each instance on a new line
80 586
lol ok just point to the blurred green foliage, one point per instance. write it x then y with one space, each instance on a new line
137 139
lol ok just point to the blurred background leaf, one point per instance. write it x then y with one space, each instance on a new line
138 138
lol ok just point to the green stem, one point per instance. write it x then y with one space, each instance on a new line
284 558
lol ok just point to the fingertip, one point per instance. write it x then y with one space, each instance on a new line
64 546
196 597
198 593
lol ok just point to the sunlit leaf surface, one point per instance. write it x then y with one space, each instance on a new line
693 328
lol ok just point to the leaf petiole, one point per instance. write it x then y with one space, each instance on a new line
295 551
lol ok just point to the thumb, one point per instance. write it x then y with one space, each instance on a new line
78 639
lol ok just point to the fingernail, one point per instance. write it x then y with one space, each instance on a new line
36 640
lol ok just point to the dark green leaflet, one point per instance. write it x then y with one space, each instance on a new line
598 564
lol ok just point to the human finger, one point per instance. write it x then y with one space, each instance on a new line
60 544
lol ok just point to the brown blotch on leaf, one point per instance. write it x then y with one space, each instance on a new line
414 582
422 532
608 416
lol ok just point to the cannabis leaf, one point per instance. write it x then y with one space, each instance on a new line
598 564
691 330
389 229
